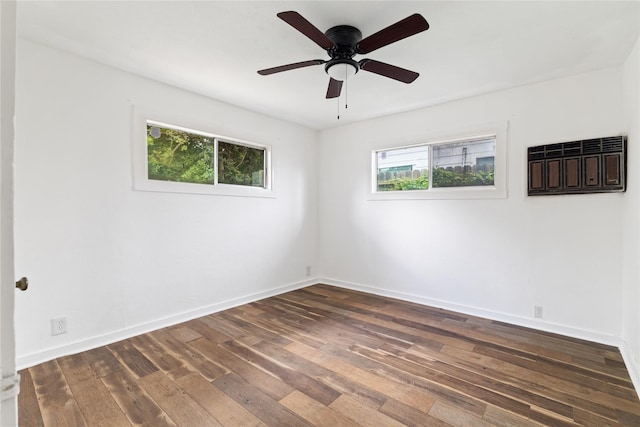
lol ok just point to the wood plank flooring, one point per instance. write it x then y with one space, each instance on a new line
325 356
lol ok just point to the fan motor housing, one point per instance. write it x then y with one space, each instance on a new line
345 38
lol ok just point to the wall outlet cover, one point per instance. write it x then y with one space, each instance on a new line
537 311
59 326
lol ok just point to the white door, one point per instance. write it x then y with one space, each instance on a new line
10 381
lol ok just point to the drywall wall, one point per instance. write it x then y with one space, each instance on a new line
494 257
115 261
631 216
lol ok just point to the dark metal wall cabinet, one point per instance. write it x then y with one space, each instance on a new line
577 167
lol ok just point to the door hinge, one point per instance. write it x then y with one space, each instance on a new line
10 387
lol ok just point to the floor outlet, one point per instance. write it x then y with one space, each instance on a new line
59 326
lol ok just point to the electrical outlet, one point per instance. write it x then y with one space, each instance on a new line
537 311
308 270
59 326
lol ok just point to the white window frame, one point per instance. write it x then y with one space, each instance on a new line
496 191
141 181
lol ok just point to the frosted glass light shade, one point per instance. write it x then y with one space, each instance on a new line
341 71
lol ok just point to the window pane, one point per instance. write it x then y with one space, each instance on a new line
240 165
175 155
403 169
464 164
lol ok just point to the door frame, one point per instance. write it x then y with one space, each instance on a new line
10 382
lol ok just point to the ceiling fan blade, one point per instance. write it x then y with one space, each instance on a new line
388 70
298 22
402 29
288 67
334 89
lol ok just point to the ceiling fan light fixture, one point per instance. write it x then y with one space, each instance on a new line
342 70
343 42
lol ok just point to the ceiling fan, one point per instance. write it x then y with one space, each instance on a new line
343 42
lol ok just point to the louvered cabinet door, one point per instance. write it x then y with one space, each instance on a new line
591 171
536 176
554 174
612 165
572 173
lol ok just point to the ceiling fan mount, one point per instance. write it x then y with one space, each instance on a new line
343 42
344 37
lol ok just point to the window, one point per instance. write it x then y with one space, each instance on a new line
464 164
466 167
179 156
170 158
186 156
240 164
405 168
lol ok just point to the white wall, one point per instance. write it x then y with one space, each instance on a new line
631 216
115 261
498 257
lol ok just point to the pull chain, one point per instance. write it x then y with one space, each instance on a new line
346 90
346 87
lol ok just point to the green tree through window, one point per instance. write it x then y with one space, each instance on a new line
240 164
183 156
175 155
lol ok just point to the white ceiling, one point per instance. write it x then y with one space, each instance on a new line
215 48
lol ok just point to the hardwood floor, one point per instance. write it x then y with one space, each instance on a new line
334 357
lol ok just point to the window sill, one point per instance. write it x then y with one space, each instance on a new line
204 189
488 192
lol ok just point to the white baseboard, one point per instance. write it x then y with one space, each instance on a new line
28 360
632 366
569 331
480 312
